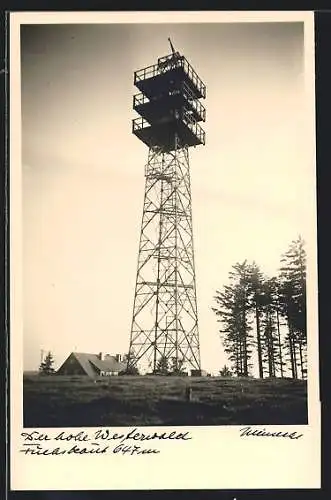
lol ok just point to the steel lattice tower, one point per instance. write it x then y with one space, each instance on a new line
165 317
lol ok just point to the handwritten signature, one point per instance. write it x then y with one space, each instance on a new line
249 431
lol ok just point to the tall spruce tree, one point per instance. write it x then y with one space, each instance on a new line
255 303
275 286
233 314
292 291
272 342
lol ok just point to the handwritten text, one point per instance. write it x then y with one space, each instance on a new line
249 431
95 443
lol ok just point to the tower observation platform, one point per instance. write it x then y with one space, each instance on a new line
169 104
164 331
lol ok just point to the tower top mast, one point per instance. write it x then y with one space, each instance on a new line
172 47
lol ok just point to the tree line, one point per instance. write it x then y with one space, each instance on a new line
263 318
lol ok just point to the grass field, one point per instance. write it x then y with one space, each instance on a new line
59 401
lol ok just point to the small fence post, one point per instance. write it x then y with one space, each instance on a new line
188 393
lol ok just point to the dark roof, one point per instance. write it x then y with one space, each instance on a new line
91 361
109 363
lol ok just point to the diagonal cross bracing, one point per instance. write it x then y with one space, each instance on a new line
165 320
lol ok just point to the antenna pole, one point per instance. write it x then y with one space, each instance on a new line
172 47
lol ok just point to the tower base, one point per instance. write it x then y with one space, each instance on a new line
199 373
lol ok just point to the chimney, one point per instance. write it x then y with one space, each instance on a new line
118 357
100 356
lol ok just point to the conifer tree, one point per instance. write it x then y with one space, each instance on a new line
177 366
46 366
292 279
272 342
256 298
130 362
225 372
163 365
233 314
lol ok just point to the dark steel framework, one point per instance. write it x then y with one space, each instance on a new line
165 316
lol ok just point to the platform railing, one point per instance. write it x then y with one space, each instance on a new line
194 102
199 109
194 127
188 116
139 99
159 68
194 77
143 74
139 123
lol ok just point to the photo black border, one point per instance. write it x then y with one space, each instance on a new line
323 145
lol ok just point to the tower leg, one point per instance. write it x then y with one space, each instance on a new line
164 332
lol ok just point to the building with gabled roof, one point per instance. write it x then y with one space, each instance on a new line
92 365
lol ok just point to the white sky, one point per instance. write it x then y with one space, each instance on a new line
83 171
